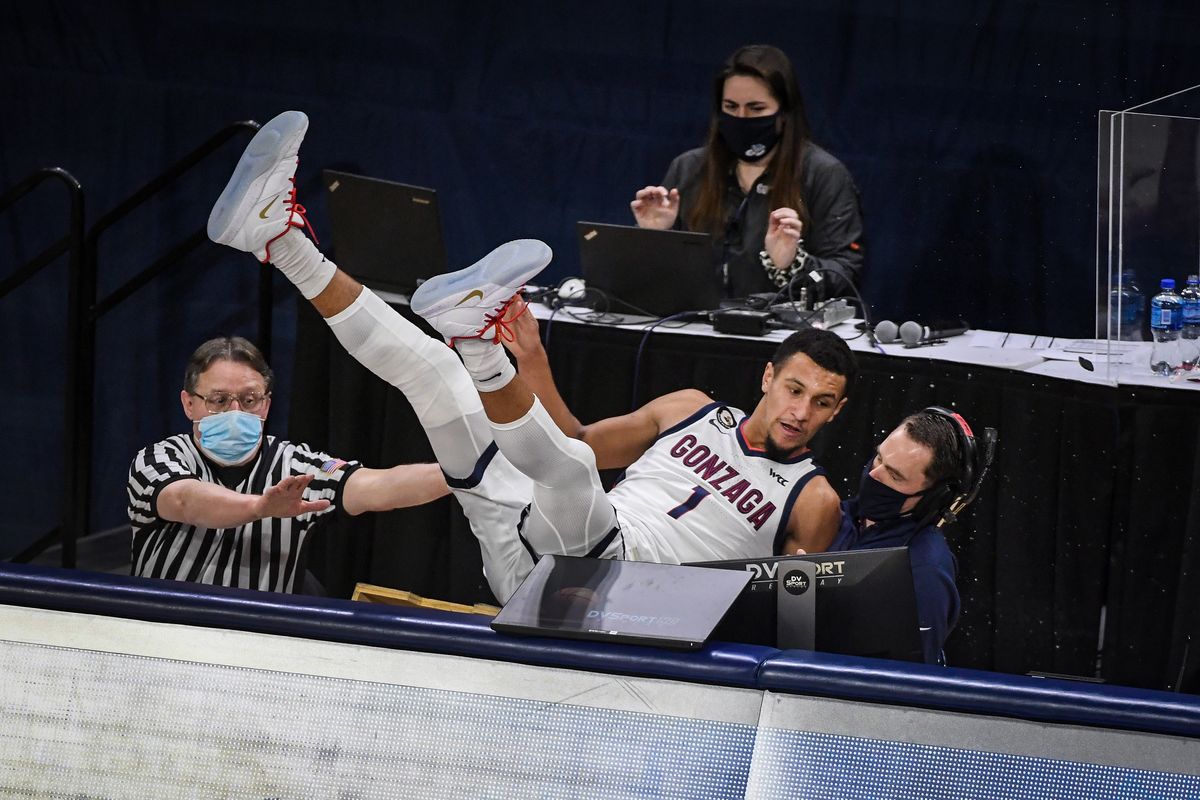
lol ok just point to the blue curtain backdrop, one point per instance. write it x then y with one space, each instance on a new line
969 126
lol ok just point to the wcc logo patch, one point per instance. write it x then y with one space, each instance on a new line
724 419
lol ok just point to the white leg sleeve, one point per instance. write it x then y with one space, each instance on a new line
426 371
490 490
571 514
494 507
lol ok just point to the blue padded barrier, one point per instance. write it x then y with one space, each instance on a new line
427 630
977 692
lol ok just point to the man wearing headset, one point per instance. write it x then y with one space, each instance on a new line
922 470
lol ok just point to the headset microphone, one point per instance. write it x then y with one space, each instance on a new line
945 501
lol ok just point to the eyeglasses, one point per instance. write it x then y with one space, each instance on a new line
216 402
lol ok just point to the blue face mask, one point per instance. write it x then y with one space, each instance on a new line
230 437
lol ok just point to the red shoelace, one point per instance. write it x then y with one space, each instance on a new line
294 210
496 320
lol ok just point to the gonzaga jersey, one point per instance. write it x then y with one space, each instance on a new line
701 493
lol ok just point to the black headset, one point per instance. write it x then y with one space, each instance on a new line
560 294
946 499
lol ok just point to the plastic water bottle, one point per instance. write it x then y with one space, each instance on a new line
1166 323
1128 308
1190 335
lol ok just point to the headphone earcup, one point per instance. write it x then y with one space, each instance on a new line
967 451
936 499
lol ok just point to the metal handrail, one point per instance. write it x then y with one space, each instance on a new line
84 310
82 374
72 243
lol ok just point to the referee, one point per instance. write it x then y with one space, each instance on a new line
229 505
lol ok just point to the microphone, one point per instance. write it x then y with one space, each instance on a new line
886 331
914 334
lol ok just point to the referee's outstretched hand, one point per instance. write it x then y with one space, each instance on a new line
286 498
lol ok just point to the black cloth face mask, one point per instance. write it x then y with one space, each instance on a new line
749 138
877 501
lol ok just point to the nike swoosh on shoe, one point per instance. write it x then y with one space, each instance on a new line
263 214
470 295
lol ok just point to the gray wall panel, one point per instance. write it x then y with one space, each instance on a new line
228 714
100 707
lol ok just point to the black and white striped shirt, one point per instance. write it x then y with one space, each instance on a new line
264 554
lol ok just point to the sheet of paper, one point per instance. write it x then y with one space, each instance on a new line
1097 351
1000 340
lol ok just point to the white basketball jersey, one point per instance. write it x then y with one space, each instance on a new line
700 493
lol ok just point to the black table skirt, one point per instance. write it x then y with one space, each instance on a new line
1092 505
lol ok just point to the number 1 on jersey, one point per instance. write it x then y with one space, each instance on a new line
697 495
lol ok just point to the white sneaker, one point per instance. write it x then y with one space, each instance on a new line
471 303
259 202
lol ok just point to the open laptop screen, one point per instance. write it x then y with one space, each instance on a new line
386 235
633 602
649 272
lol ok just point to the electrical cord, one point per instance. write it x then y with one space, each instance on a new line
600 314
637 361
868 329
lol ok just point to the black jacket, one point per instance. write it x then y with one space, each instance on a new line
833 236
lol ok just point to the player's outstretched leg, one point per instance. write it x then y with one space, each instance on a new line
469 307
258 208
258 204
467 304
257 213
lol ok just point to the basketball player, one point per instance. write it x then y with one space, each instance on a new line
704 481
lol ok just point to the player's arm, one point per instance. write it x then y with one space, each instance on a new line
616 441
398 487
619 441
815 518
534 368
210 505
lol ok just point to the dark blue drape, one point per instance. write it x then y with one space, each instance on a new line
969 126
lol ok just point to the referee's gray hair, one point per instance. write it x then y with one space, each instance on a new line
226 348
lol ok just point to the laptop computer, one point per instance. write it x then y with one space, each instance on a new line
632 602
865 603
649 272
386 235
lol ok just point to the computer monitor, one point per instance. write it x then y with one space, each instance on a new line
386 235
649 272
865 604
632 602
